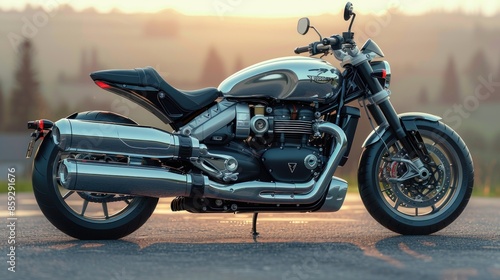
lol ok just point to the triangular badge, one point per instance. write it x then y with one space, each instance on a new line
291 166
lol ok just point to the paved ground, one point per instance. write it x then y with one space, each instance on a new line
347 244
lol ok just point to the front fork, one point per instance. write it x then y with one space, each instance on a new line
384 113
408 135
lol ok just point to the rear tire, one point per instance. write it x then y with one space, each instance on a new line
61 206
417 207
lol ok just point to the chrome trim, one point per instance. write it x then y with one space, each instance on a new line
78 136
259 131
383 64
311 162
335 196
415 168
211 120
242 120
356 59
123 179
220 166
379 97
292 126
61 140
387 73
284 78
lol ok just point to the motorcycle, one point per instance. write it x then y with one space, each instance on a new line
268 139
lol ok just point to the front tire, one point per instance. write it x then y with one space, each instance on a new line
417 206
84 215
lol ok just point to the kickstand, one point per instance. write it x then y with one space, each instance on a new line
254 225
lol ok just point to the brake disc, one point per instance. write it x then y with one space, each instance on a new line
420 193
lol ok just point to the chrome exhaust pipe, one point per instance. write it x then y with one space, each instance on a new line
79 136
117 178
93 176
157 182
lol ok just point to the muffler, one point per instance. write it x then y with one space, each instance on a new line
158 182
79 136
118 178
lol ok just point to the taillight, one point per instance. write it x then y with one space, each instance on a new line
102 84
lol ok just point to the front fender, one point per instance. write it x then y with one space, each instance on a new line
408 120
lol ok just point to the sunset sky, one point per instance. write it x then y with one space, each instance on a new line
266 8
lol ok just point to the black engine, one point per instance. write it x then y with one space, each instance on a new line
281 135
292 163
270 143
289 155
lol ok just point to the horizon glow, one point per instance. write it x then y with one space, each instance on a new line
263 8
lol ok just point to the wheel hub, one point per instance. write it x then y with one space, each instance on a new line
421 191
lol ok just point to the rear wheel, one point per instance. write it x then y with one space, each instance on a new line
84 215
417 205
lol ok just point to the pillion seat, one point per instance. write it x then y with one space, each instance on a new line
148 77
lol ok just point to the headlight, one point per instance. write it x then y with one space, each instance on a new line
379 66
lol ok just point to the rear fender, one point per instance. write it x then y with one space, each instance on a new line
408 121
101 116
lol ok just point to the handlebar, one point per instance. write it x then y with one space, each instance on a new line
324 45
300 50
314 48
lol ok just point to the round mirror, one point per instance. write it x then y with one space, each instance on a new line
303 26
348 11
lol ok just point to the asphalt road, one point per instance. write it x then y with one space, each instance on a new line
347 244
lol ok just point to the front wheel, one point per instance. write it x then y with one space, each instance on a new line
417 206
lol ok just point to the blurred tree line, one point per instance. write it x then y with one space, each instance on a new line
25 101
483 151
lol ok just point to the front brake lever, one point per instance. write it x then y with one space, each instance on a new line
315 50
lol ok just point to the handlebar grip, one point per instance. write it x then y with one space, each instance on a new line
334 41
299 50
330 41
